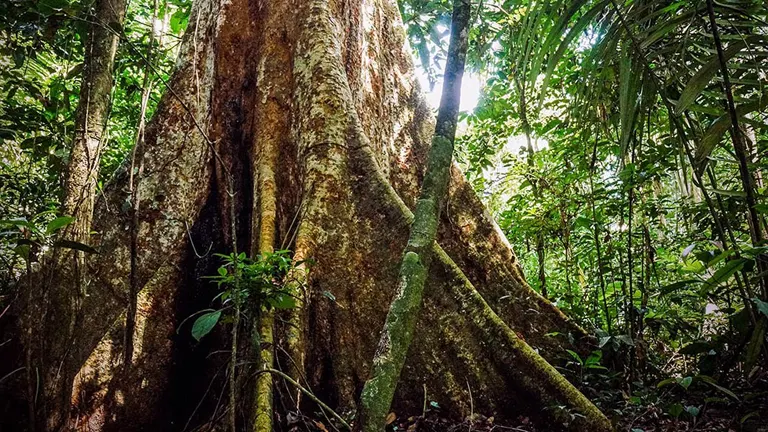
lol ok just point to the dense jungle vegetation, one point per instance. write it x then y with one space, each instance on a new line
620 145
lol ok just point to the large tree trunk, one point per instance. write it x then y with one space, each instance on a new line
317 101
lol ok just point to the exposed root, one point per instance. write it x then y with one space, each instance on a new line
524 365
309 394
271 123
263 390
534 374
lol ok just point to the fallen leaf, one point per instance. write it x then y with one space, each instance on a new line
390 418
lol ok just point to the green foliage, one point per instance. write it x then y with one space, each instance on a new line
631 180
204 324
41 53
264 282
27 239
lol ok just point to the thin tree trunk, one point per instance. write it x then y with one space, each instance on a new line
91 116
596 237
531 148
377 394
265 153
747 182
566 229
541 260
78 198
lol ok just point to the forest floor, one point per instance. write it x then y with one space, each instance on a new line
650 420
743 408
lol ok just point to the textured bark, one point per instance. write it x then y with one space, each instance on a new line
91 116
317 100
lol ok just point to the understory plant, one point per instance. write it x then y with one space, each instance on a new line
250 285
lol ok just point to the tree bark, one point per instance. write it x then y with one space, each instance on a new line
91 116
319 101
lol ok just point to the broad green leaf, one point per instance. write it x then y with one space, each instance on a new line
704 75
58 223
761 306
749 416
22 251
69 244
685 382
553 37
663 28
603 340
696 348
666 382
625 339
629 80
204 324
594 358
179 21
284 302
576 30
740 194
675 410
714 134
724 273
19 222
575 356
711 381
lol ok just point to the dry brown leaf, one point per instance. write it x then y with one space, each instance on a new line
390 418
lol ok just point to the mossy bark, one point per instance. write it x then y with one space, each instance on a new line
396 337
352 133
269 125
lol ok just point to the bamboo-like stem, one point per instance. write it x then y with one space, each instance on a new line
596 236
676 123
540 251
747 182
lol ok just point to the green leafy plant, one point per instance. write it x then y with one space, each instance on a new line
591 362
31 237
251 285
685 383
